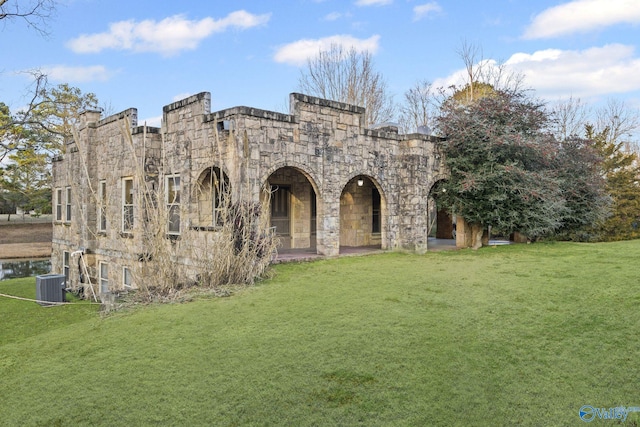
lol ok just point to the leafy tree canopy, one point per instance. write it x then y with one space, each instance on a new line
507 171
621 171
30 137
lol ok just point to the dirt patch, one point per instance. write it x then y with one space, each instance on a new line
24 240
25 250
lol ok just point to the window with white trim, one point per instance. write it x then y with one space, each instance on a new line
173 203
68 205
127 205
102 206
59 204
127 278
103 277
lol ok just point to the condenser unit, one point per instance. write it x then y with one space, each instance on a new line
50 288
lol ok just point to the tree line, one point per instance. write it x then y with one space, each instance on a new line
516 163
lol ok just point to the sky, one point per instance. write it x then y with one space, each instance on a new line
147 54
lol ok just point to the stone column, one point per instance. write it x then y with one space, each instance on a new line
328 227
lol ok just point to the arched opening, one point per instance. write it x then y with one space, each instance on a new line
361 214
213 195
293 208
442 223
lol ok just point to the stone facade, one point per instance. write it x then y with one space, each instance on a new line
334 182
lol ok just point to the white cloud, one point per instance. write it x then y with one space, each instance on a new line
167 37
424 10
583 73
333 16
582 16
373 2
152 121
63 73
298 52
554 73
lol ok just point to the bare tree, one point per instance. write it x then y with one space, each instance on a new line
483 75
419 107
471 55
569 117
621 120
348 76
35 13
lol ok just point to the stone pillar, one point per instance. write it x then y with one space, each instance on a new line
328 228
517 237
463 233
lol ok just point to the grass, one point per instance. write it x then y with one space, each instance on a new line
518 335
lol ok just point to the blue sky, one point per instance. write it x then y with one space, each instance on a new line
147 54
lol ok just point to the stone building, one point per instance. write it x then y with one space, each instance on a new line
334 182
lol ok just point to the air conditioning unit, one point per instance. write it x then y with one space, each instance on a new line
50 288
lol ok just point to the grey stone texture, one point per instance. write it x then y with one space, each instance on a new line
340 184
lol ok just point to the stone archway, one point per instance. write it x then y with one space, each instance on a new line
362 214
293 208
442 223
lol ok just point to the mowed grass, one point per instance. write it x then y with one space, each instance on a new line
517 335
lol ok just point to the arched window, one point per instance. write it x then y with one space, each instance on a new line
213 197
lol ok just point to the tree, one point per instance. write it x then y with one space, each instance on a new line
569 117
35 13
29 138
579 165
619 121
56 113
348 76
419 107
501 164
482 75
621 171
26 182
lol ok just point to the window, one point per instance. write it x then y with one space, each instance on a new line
104 277
59 204
375 213
314 212
127 205
213 197
280 209
127 278
65 266
68 205
102 206
173 203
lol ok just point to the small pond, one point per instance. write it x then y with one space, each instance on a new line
11 269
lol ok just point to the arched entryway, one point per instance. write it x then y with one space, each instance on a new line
442 223
293 208
362 218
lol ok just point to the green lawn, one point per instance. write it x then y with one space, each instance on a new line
518 335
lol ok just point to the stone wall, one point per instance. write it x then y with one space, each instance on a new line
318 152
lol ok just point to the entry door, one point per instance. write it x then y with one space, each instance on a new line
280 212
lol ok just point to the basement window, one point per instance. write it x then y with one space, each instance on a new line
104 277
127 278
